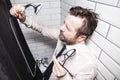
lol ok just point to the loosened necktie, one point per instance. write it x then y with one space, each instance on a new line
48 71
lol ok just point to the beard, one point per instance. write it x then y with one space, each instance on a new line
66 40
62 38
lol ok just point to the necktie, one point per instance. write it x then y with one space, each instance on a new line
48 71
61 51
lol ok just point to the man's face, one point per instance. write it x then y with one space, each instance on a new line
69 29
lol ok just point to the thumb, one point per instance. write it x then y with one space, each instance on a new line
60 62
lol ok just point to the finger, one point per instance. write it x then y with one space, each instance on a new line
20 9
55 70
20 16
55 60
15 13
12 12
60 62
56 66
17 10
59 72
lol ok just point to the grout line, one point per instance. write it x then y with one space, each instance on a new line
108 31
118 3
68 3
108 40
106 66
95 7
101 74
100 55
108 23
104 3
105 51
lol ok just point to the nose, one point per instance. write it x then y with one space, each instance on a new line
62 28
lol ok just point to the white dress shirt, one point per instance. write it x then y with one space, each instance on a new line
82 65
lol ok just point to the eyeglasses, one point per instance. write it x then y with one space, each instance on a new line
67 55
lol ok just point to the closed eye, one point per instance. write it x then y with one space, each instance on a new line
66 26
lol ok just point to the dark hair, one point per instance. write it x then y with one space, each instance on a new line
90 20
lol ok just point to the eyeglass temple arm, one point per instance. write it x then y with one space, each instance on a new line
36 7
74 50
66 69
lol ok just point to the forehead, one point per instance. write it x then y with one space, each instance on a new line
74 21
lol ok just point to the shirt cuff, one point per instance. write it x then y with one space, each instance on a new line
66 77
28 22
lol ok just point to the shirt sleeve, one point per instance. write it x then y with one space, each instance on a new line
45 30
88 72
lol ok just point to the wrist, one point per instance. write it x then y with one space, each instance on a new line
60 76
66 77
23 19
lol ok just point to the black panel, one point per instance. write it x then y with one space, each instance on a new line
7 70
15 47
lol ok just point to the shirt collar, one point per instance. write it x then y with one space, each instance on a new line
75 46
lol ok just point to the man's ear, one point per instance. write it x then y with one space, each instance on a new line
81 38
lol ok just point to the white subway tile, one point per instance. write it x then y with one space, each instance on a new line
102 28
55 4
62 19
104 71
24 1
45 5
100 77
55 17
110 64
71 2
110 2
30 41
12 1
54 0
33 49
109 14
39 18
113 35
85 3
44 0
119 4
49 11
19 1
30 36
95 49
107 46
27 31
64 12
65 6
30 12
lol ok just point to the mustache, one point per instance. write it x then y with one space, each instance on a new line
61 31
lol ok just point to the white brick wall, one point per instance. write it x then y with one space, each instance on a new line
105 42
109 2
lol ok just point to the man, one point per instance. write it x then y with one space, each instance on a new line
79 24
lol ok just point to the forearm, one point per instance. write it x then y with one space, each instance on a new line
45 30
